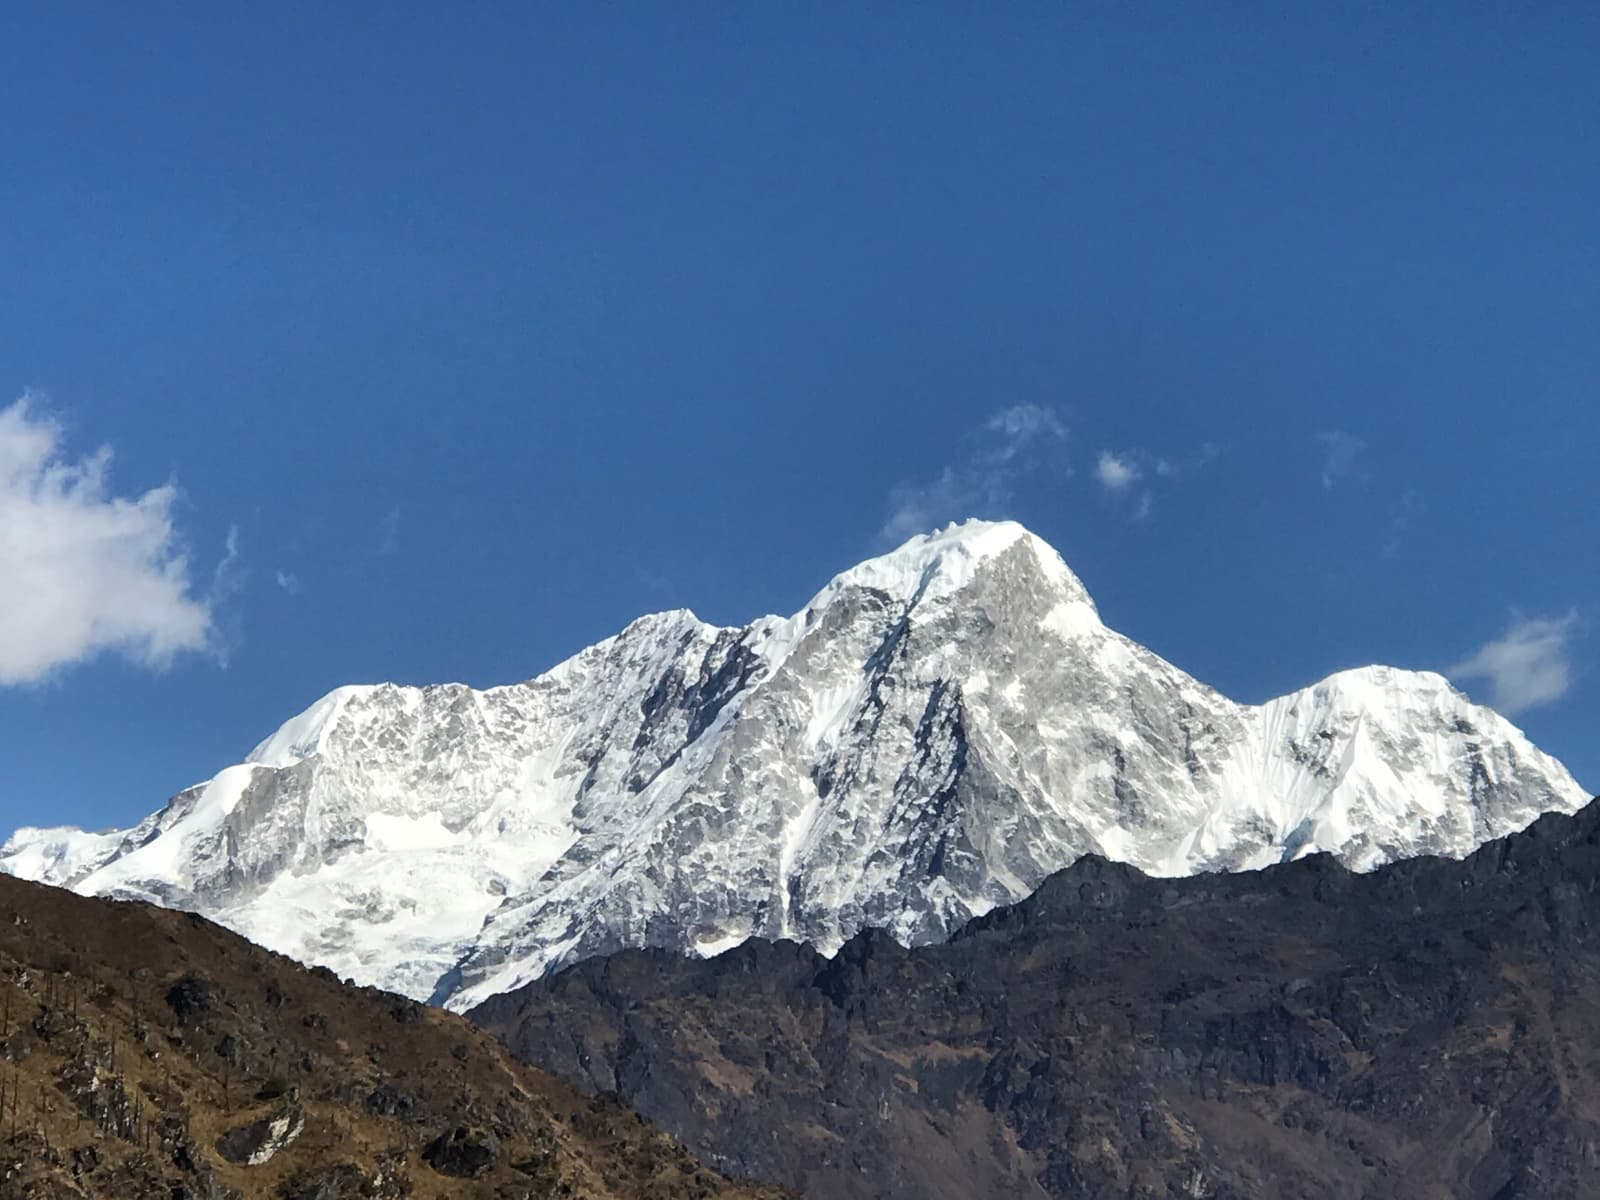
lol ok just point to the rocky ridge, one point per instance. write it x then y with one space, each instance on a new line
1429 1030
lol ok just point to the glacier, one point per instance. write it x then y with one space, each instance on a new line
937 731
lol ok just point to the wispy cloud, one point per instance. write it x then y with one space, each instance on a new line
288 581
229 574
1119 471
1115 472
1023 423
1009 446
88 571
1177 468
1404 514
1341 456
1530 665
917 508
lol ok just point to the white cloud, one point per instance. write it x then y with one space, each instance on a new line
1341 454
1002 454
289 582
1529 666
86 571
1115 472
1118 471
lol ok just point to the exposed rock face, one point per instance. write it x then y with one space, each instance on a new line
150 1055
1429 1030
256 1142
934 734
462 1152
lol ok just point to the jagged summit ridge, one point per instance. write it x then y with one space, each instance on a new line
937 731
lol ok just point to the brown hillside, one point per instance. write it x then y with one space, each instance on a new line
147 1053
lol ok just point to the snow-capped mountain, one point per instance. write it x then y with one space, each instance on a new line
937 731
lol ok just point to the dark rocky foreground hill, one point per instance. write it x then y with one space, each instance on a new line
1430 1030
148 1054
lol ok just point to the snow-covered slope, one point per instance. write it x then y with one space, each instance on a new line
937 731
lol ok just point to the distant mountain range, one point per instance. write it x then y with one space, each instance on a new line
937 732
1429 1030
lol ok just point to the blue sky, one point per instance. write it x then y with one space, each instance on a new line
432 347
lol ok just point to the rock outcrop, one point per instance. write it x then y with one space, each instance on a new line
1429 1030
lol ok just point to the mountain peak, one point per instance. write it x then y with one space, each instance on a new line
944 562
946 725
301 736
1400 693
1385 678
